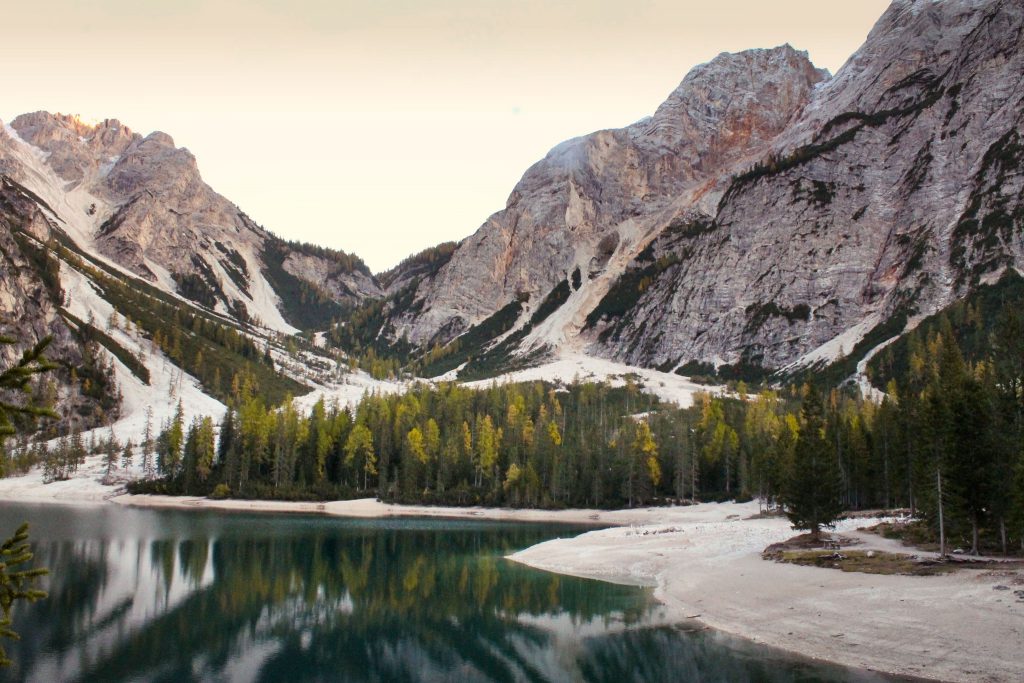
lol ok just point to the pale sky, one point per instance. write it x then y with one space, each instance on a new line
382 127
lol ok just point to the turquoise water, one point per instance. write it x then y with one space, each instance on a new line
145 595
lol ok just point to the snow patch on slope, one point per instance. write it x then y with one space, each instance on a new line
570 367
168 383
837 347
348 392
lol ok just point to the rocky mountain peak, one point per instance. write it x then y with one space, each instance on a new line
592 202
76 150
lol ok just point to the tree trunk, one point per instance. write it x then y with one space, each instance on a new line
942 524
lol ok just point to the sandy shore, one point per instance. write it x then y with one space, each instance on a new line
370 508
705 562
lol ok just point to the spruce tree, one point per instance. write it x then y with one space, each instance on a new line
813 498
16 583
19 584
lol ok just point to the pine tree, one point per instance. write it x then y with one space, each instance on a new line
813 497
127 456
147 445
644 469
16 381
359 450
16 584
112 450
172 442
19 584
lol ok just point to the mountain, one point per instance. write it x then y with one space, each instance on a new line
154 288
766 216
594 202
141 203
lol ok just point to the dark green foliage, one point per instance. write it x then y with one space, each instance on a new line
206 346
814 191
43 263
15 387
341 261
758 314
367 334
623 296
839 370
552 302
425 264
502 357
305 304
972 321
983 235
194 287
202 287
17 583
235 266
441 444
577 279
471 343
682 228
500 360
812 498
91 334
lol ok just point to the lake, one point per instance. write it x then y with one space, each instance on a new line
155 595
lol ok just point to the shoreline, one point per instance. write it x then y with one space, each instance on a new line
704 563
371 508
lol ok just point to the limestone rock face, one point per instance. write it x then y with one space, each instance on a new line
766 209
351 286
897 190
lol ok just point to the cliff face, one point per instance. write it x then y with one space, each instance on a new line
31 297
897 189
764 210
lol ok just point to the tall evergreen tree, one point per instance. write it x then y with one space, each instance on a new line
18 584
813 497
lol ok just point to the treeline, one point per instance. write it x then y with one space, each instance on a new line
946 442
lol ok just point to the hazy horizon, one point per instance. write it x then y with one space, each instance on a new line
384 128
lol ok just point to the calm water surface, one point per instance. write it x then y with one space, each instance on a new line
146 595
